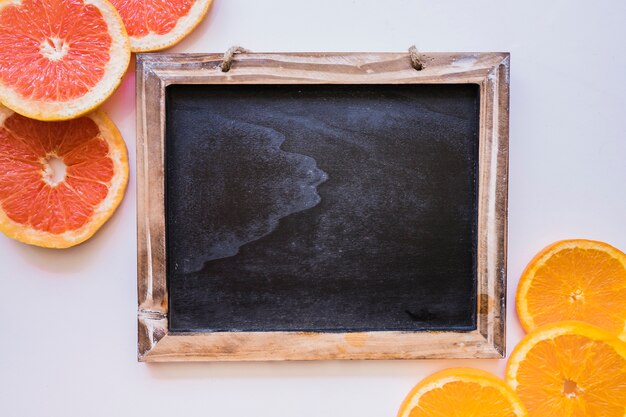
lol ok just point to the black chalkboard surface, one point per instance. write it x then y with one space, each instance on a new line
329 208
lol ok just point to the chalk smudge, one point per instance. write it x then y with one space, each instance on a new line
252 184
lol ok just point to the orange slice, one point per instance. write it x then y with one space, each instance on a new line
570 369
580 280
60 59
461 392
157 24
59 181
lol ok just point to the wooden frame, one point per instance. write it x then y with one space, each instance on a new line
156 71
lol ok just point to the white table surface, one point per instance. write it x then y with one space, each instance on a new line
67 318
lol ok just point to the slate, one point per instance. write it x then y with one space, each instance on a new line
321 207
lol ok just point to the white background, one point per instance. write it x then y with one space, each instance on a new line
67 318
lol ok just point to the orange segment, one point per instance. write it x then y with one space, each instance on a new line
461 392
60 58
580 280
158 24
570 369
59 181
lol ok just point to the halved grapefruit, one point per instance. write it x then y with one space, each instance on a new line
157 24
59 181
60 59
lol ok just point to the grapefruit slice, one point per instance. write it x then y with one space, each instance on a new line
60 59
59 181
570 369
157 24
577 279
462 392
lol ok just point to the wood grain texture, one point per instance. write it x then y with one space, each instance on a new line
155 71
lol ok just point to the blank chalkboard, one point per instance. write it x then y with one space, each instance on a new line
312 205
325 208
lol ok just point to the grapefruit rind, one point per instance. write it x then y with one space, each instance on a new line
441 378
102 212
185 25
116 67
521 300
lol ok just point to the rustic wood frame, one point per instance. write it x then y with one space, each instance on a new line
156 71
